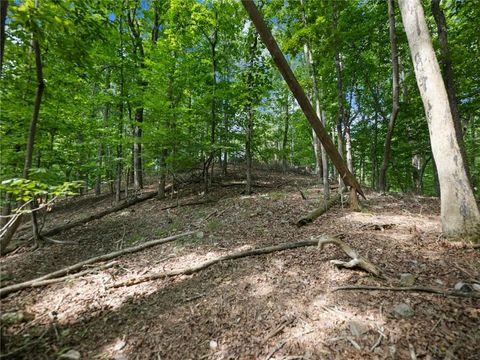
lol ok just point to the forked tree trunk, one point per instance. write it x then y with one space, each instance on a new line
382 181
299 94
459 212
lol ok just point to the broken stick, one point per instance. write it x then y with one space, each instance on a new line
357 260
411 289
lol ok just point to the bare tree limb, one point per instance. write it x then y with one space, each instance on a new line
411 289
72 268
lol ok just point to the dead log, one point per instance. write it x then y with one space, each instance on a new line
360 261
206 264
72 268
357 260
411 289
101 214
310 217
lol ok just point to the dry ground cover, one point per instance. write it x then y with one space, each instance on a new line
276 306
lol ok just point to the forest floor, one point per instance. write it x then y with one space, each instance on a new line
276 306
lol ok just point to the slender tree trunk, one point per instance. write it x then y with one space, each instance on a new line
396 97
340 96
7 234
319 151
299 94
3 18
137 150
285 136
348 142
249 112
459 211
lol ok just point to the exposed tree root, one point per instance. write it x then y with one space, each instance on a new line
72 268
411 289
359 261
310 217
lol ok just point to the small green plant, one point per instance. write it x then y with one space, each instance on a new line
214 225
134 238
277 195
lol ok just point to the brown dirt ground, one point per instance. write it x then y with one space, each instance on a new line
277 306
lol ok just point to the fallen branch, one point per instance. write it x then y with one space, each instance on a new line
411 289
72 276
101 214
206 264
357 260
69 269
310 217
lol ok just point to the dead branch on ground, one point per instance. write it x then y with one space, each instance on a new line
411 289
206 264
357 260
72 268
310 217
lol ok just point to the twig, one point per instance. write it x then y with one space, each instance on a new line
279 328
411 289
378 342
413 356
275 349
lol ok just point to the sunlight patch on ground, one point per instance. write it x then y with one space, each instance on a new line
426 223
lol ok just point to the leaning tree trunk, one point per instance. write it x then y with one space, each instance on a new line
299 94
396 97
7 234
459 212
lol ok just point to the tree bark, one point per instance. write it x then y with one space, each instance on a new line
395 96
299 94
446 62
3 18
459 212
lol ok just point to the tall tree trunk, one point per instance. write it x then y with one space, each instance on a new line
319 151
285 136
249 112
459 211
446 62
299 94
340 96
3 18
139 53
395 96
7 234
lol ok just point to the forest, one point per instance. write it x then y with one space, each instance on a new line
239 179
